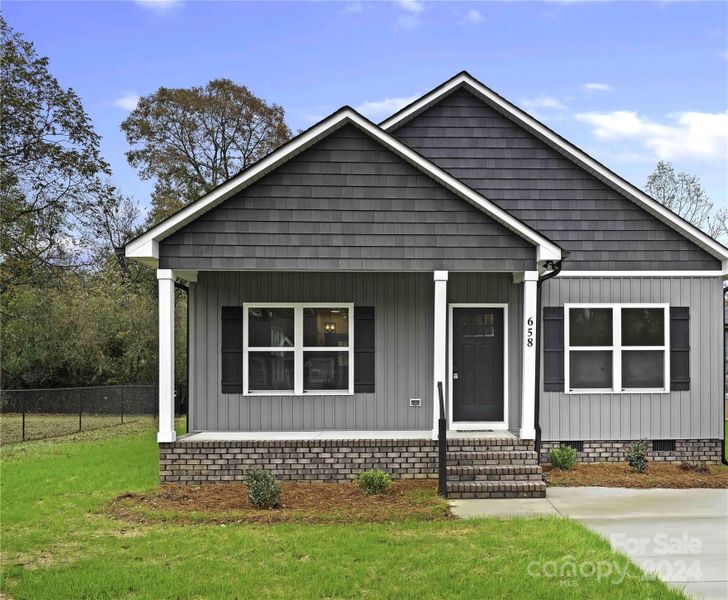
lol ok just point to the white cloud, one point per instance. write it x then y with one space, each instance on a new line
596 87
472 16
160 7
127 101
353 7
688 136
412 6
544 102
379 109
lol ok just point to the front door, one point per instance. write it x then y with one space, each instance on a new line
477 364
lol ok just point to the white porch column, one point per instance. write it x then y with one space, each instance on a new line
440 343
528 374
166 356
192 349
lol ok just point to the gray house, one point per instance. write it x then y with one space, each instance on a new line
336 282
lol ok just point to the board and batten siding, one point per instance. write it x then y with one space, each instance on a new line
512 167
404 317
346 204
403 364
697 413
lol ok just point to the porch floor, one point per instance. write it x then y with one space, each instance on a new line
234 436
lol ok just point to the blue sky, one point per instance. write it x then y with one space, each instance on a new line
630 83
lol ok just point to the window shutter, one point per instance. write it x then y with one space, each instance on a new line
553 349
363 349
231 348
679 348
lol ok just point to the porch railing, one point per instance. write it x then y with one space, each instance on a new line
442 445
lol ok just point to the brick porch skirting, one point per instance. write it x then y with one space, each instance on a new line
705 451
191 463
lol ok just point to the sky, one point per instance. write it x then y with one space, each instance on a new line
629 83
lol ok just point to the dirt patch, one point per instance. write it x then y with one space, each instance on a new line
300 503
658 475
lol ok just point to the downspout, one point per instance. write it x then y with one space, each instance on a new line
186 290
553 268
723 458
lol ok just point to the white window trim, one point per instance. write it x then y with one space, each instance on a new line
616 348
298 348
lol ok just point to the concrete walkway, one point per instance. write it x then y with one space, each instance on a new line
680 535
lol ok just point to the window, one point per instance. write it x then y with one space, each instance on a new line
298 348
617 348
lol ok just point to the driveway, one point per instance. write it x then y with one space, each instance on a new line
680 535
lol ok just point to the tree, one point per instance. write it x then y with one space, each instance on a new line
191 140
49 165
683 194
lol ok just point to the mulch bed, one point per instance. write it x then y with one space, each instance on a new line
300 503
658 475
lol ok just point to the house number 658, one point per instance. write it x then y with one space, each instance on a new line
529 332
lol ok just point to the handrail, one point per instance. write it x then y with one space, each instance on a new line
442 445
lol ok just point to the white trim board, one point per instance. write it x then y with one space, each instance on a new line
145 247
572 274
568 149
476 425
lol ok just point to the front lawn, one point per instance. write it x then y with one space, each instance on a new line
58 541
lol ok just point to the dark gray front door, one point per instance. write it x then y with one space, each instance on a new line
477 361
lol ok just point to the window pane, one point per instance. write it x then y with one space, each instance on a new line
590 370
270 371
643 327
270 327
325 371
643 369
325 327
590 326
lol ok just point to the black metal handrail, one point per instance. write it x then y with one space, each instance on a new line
442 445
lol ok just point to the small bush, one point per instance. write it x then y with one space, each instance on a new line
636 456
695 467
375 481
563 458
263 489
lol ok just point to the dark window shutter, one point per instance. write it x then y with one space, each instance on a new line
363 349
679 348
553 349
231 347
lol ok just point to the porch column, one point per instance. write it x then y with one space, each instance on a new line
166 356
528 374
440 344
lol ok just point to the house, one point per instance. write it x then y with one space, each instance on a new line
337 281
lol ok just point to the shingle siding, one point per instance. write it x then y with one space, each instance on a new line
600 228
346 204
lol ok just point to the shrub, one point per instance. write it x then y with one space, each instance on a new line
374 481
263 489
696 467
563 458
636 456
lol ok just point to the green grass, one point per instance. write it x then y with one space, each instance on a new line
58 542
48 425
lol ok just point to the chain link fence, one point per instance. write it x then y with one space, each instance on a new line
38 414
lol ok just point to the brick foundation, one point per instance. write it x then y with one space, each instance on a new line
705 451
191 463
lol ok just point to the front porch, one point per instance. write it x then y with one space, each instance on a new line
474 332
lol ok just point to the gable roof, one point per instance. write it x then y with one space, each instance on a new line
145 247
466 81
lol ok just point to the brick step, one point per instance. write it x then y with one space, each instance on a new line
496 489
495 473
478 458
486 444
